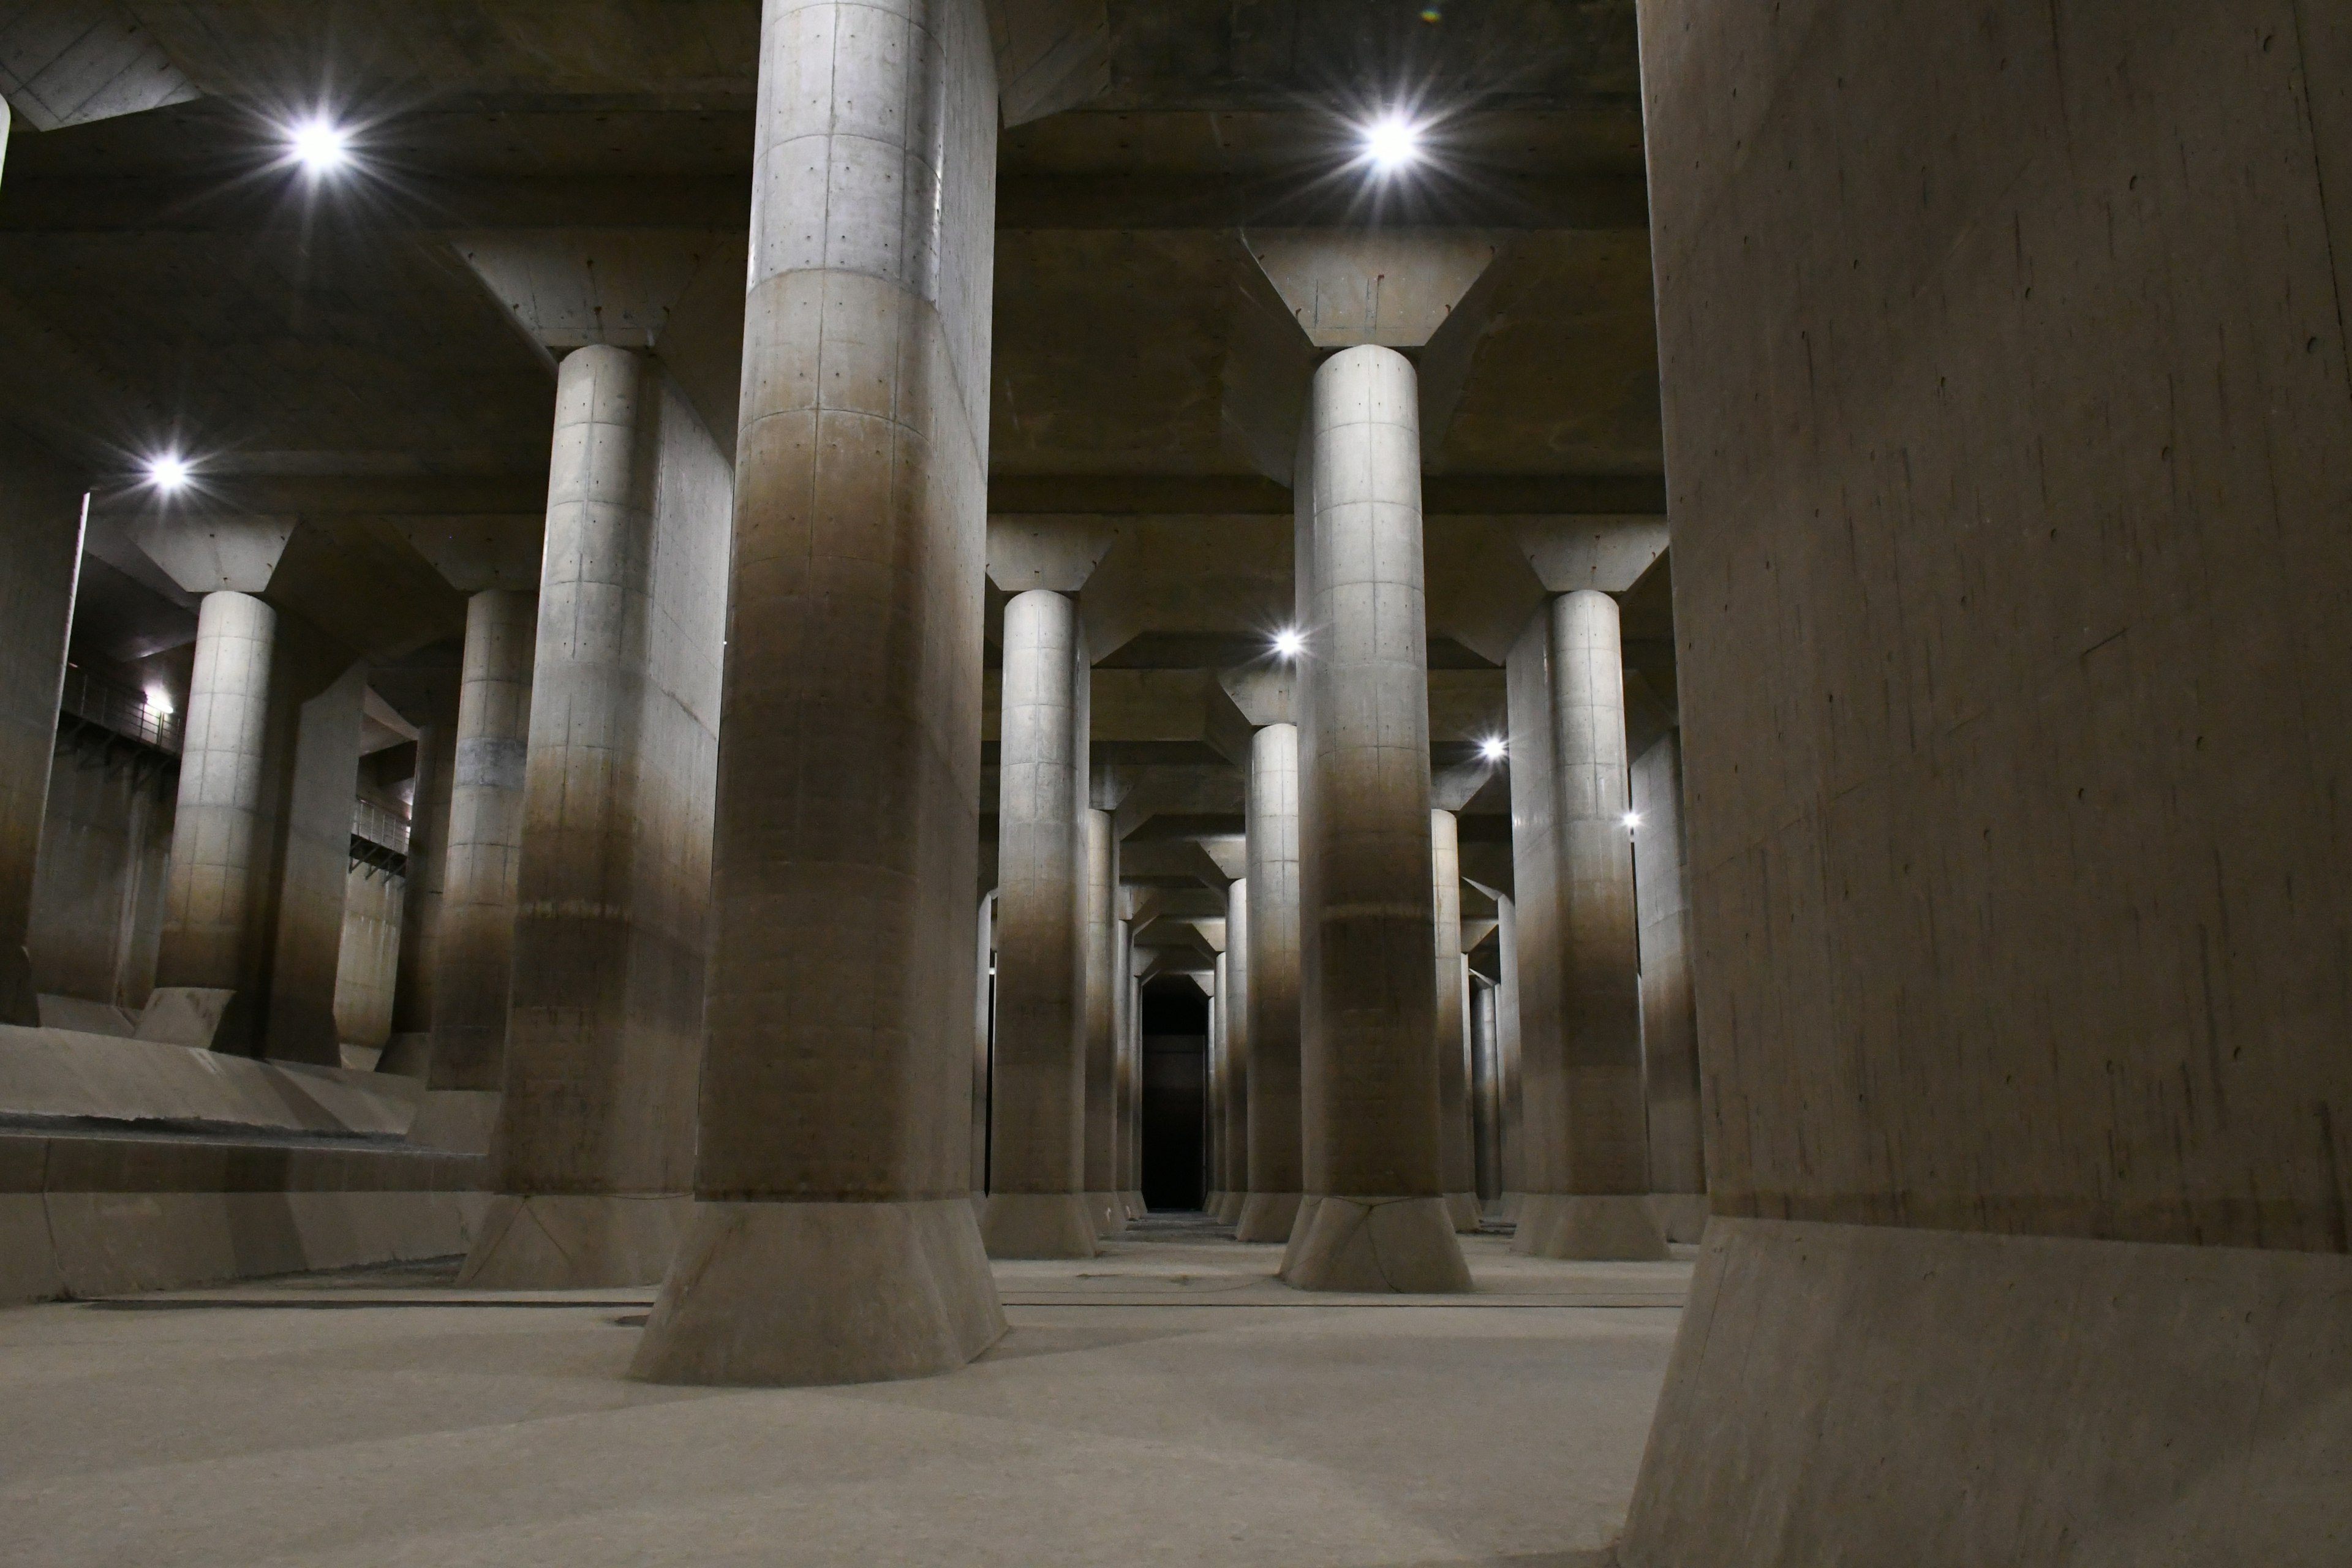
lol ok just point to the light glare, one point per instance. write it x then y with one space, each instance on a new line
1493 751
1632 819
321 146
1289 644
1392 142
167 472
159 702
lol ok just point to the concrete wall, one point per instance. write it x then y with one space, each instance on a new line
2010 443
97 901
368 964
40 543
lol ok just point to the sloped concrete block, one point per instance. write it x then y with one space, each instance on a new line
1402 1245
58 1072
555 1242
1463 1207
789 1294
184 1015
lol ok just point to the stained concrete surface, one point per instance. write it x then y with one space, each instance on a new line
1166 1402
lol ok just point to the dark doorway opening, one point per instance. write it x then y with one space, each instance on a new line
1175 1095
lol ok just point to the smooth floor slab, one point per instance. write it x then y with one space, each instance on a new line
1165 1403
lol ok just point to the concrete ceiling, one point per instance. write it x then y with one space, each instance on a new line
329 355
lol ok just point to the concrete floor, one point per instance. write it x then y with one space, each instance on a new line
1167 1403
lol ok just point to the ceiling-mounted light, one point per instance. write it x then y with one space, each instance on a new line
1289 644
167 472
1391 142
320 145
1495 749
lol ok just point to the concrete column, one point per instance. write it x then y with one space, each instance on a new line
1452 1022
1272 938
1036 1206
834 1239
1099 957
595 1130
1232 1012
1218 1110
1513 1139
1669 1016
213 917
1375 1217
1486 1094
480 864
40 556
1587 1174
983 1031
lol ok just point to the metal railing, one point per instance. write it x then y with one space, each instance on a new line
123 710
379 827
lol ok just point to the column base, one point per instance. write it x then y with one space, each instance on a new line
1038 1225
1402 1245
1109 1213
793 1295
555 1241
1591 1229
459 1120
1463 1207
1229 1207
1682 1215
1973 1399
1268 1217
1512 1203
1211 1203
1136 1207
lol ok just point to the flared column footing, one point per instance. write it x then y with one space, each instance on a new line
791 1295
1404 1244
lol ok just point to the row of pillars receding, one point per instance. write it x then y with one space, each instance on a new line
783 1029
1343 1020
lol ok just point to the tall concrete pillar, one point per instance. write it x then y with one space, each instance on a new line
1513 1137
1452 1022
212 914
1216 1173
479 867
1232 1012
1036 1206
834 1239
1099 958
1375 1216
594 1145
1669 1015
983 1031
1275 1180
1587 1154
40 556
1486 1094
